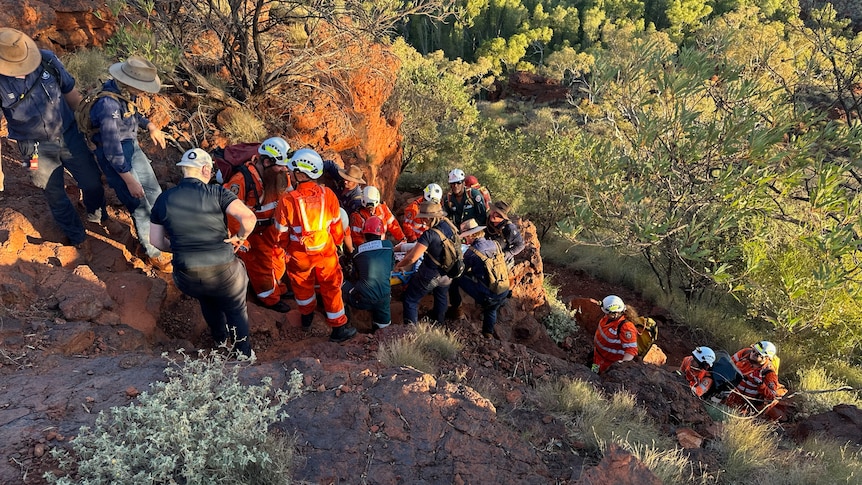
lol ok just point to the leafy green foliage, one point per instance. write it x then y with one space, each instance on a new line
438 112
202 426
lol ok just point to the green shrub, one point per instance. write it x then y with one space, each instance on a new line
89 67
202 426
560 322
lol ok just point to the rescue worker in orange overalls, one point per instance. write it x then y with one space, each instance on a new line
259 184
616 337
308 220
372 206
759 387
414 226
697 370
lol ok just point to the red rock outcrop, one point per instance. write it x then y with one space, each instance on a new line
60 25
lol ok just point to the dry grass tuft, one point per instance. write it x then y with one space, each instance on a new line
244 127
421 348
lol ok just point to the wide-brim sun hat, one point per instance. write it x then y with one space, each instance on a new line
501 208
138 73
470 227
353 174
19 54
195 158
430 210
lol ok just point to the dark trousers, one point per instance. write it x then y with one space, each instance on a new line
420 285
380 308
70 153
482 295
221 291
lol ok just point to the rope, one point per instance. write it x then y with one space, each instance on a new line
750 402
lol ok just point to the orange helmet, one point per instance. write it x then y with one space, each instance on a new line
374 225
471 181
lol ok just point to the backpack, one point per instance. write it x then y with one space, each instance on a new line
647 330
232 159
82 113
496 269
452 259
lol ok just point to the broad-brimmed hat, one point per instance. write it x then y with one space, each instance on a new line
138 73
195 158
501 208
430 210
19 54
470 227
353 174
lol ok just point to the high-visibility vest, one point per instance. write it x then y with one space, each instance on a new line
615 338
310 217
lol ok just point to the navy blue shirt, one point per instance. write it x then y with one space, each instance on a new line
350 200
373 264
43 114
506 233
431 240
116 123
194 217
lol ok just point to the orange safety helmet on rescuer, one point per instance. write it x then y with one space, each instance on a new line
374 225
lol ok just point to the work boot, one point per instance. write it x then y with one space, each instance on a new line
306 321
161 263
279 306
342 333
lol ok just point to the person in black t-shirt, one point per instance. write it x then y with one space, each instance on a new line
189 221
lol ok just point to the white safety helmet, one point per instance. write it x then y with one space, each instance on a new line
456 175
613 304
433 192
704 355
765 348
370 196
308 162
277 148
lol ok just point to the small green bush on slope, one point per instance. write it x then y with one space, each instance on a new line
202 426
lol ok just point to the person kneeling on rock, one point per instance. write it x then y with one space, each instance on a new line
372 266
485 276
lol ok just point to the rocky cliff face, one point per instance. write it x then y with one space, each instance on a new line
60 25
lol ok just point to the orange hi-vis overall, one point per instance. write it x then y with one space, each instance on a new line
412 225
699 380
308 221
613 339
759 385
264 259
358 218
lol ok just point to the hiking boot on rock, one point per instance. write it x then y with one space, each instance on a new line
342 334
279 306
307 320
